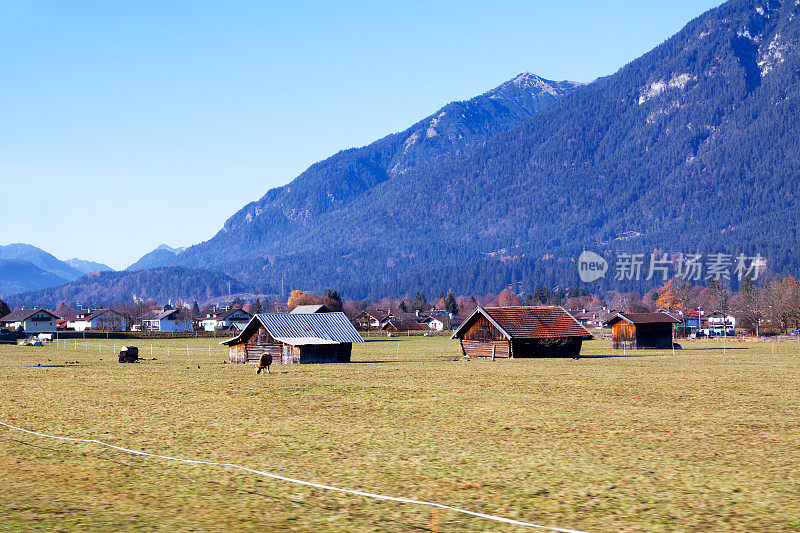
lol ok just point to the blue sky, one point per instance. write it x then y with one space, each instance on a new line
129 124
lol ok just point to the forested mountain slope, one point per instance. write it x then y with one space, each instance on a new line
691 148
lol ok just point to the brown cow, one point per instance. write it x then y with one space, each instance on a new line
264 362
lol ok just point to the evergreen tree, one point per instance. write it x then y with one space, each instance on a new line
419 303
559 296
195 309
256 307
450 304
4 310
540 295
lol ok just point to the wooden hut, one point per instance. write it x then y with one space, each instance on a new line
295 338
641 331
520 332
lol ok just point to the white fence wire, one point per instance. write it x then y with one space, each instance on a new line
300 482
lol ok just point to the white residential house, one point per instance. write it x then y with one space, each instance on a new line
435 322
30 320
99 319
222 319
167 320
721 323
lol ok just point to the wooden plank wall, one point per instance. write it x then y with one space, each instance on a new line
485 349
623 336
483 330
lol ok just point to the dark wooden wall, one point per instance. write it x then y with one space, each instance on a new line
654 336
550 347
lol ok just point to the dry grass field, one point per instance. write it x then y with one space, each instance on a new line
699 441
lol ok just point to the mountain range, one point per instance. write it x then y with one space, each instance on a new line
163 255
693 147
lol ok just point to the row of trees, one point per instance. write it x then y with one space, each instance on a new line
767 306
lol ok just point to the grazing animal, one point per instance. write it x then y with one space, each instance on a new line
264 362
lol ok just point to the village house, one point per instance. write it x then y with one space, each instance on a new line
372 319
404 322
720 324
30 321
223 319
512 332
641 331
295 338
592 318
436 320
167 320
99 319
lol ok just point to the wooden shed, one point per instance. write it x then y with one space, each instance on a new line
520 332
295 338
641 331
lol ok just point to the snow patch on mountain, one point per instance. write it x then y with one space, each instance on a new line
657 87
774 55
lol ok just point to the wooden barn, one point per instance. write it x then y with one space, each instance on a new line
641 331
511 332
295 338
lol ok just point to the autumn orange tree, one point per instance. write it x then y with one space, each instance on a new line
505 299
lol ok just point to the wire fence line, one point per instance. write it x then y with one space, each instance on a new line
83 346
312 484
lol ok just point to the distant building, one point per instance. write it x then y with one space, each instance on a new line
404 322
223 319
436 321
721 323
165 321
372 319
295 338
641 331
30 320
510 332
99 319
592 318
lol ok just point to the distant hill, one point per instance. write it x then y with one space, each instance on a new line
161 256
693 147
160 284
264 226
40 258
19 276
84 266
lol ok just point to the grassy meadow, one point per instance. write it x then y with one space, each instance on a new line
701 440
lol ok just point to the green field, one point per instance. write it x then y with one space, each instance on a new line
703 440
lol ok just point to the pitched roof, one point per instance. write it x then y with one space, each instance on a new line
24 314
529 322
161 315
378 314
642 318
222 314
306 309
298 329
90 315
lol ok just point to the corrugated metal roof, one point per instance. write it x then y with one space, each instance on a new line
323 326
